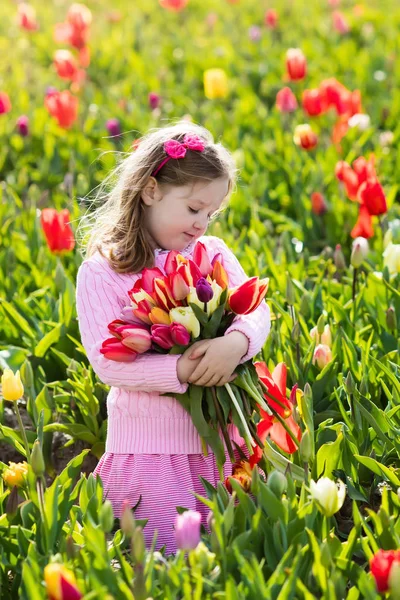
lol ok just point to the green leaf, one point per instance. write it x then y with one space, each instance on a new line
48 340
379 469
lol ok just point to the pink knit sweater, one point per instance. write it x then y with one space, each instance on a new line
140 419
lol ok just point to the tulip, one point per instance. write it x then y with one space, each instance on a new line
179 334
113 127
296 64
114 349
57 230
204 290
60 583
245 298
15 474
381 565
127 520
339 23
361 121
312 102
242 472
305 137
219 275
163 294
286 100
65 64
178 285
359 252
322 356
391 258
338 258
135 337
391 320
215 84
154 100
37 460
23 125
158 316
173 5
324 338
186 317
318 203
75 31
270 425
27 17
5 104
11 385
187 530
63 106
254 33
363 227
271 18
161 335
200 258
372 196
327 495
142 310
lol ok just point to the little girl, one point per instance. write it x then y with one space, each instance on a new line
166 192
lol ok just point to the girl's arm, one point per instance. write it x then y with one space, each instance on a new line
97 305
256 325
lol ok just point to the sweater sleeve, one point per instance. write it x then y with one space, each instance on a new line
97 305
256 325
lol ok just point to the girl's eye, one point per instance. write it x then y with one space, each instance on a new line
193 211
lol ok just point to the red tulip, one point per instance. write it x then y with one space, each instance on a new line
27 17
57 230
332 93
318 203
173 5
270 426
161 335
286 100
363 227
63 106
5 104
146 282
134 336
75 31
372 196
200 258
296 64
114 349
65 64
365 169
271 18
381 564
171 263
163 294
345 173
245 298
305 137
312 102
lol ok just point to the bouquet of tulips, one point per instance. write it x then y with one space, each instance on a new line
171 310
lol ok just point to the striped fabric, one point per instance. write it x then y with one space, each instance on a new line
164 481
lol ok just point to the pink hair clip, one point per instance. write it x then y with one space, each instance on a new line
176 149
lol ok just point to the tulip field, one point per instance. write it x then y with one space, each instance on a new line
306 97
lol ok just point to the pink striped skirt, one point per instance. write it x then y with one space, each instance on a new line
164 481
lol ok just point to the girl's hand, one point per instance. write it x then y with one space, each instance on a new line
185 365
220 357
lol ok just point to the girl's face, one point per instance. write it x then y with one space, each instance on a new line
177 216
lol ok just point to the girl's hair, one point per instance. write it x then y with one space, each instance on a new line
117 225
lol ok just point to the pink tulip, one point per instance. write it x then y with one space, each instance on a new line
286 100
187 530
23 125
179 334
134 336
200 258
339 23
154 100
180 288
5 104
322 355
171 262
271 18
161 335
113 349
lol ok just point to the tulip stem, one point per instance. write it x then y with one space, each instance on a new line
249 439
23 433
354 288
222 425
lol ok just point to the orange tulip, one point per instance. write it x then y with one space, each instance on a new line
318 203
63 106
220 275
57 230
245 298
158 316
363 227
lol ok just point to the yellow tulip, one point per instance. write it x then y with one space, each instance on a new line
215 84
15 474
12 388
60 582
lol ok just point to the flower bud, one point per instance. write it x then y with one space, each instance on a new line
327 495
305 305
338 258
106 516
113 127
321 325
138 547
324 338
322 356
306 448
12 504
359 252
23 125
27 374
154 100
391 320
11 385
202 557
296 332
277 483
350 383
127 520
37 461
364 386
290 297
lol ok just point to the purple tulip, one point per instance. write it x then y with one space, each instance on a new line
254 33
113 127
204 290
179 334
187 530
154 100
23 125
161 335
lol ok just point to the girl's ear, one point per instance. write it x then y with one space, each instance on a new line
150 192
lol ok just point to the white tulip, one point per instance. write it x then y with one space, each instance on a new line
327 495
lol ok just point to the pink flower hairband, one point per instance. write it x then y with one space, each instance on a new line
176 149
